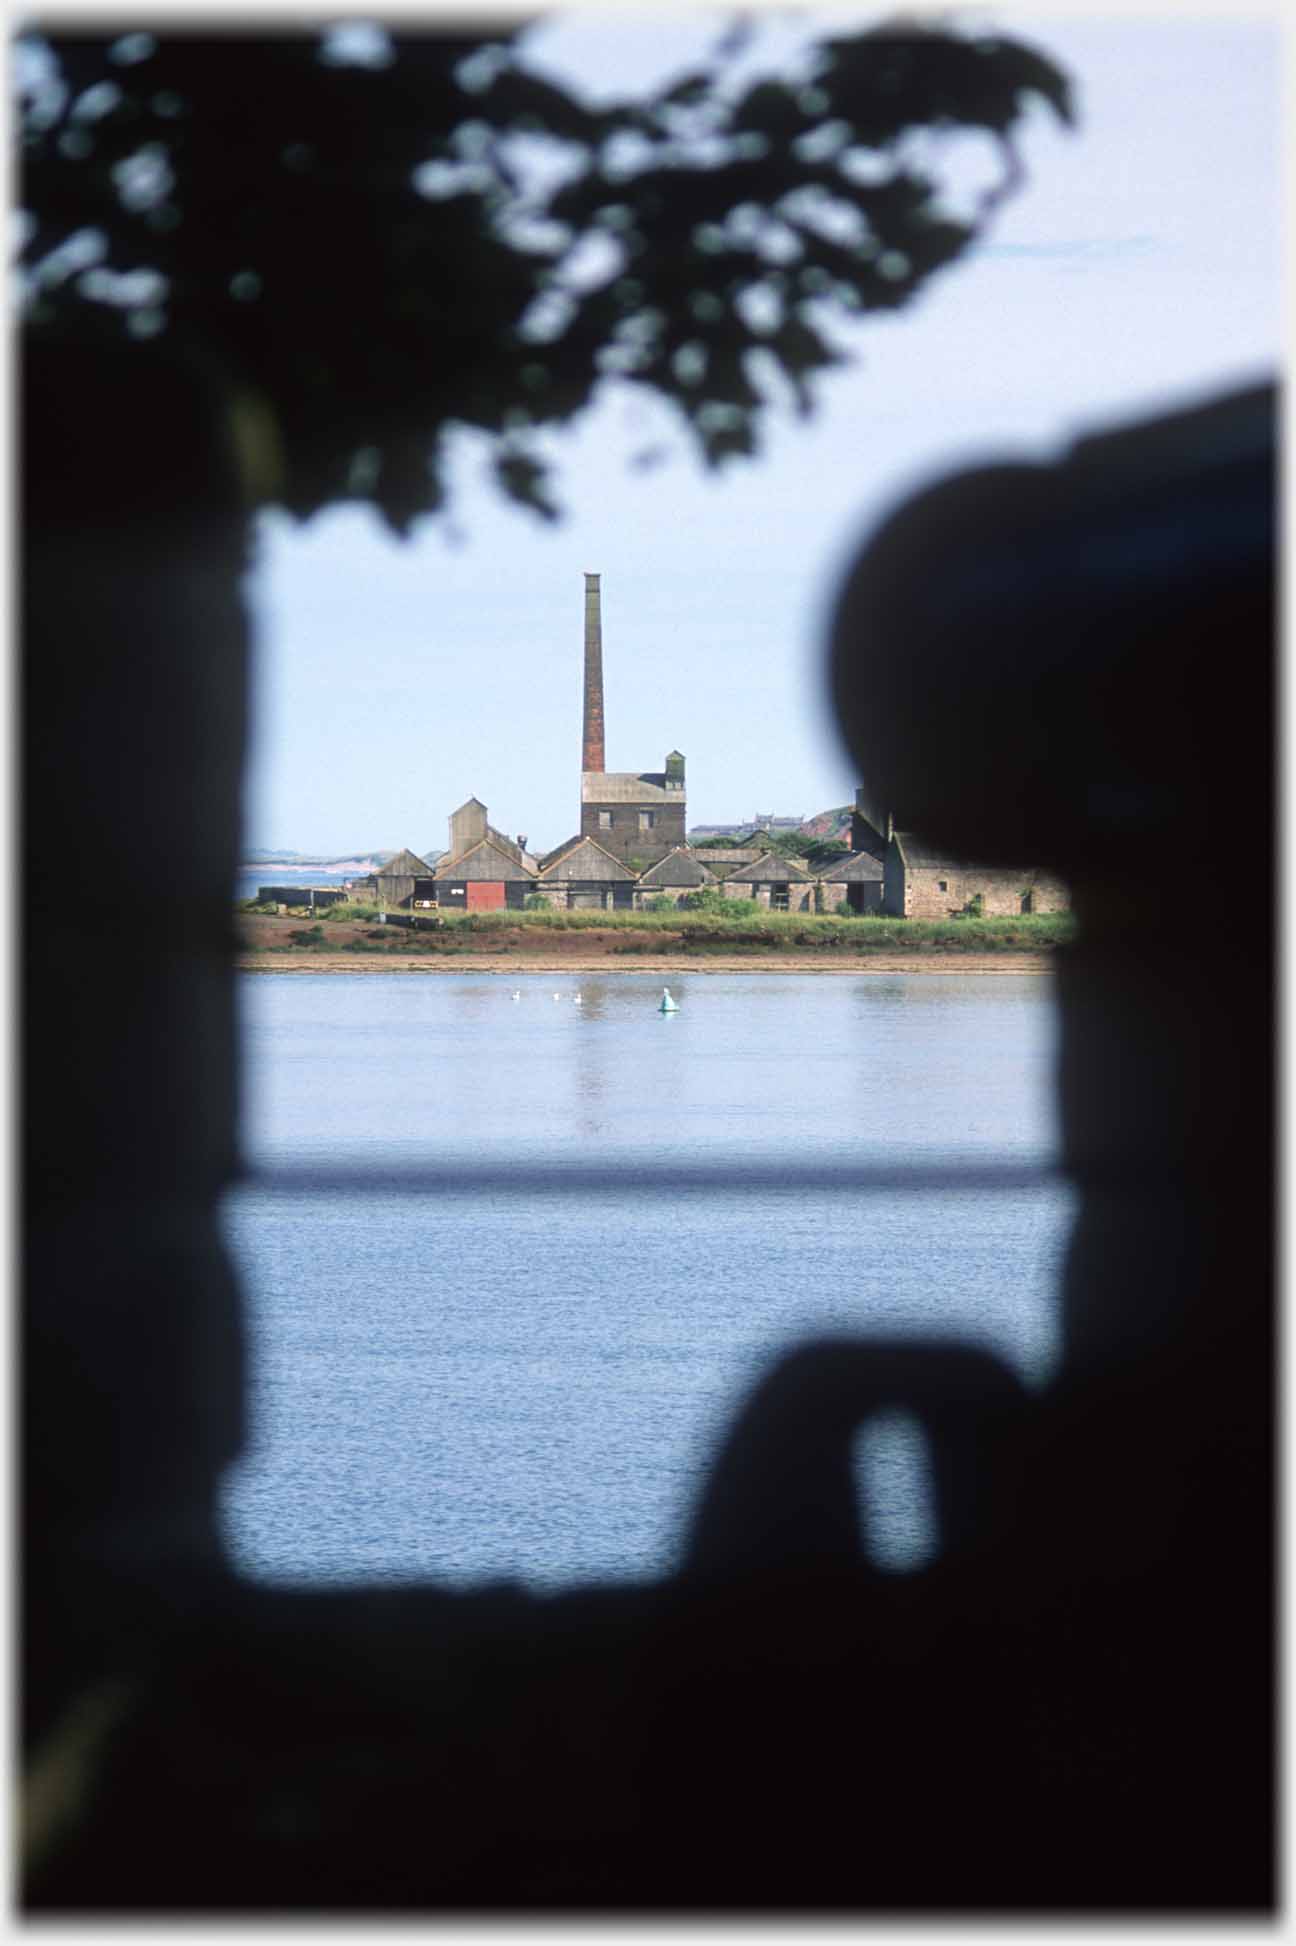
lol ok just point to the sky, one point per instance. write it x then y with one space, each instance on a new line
1137 270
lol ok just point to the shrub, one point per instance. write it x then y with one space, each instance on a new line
306 935
660 902
843 910
346 910
712 901
535 902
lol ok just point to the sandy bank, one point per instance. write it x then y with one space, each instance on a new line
512 964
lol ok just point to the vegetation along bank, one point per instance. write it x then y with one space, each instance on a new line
355 938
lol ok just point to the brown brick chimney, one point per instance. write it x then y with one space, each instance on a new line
592 753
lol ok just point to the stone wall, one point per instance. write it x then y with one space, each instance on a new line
940 891
861 895
800 898
622 835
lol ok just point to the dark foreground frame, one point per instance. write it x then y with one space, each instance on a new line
1071 1710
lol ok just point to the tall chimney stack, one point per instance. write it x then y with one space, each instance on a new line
592 752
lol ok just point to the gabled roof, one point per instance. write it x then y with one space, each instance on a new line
486 860
587 860
915 851
406 864
919 855
627 787
856 867
721 861
770 869
499 838
679 867
508 845
549 858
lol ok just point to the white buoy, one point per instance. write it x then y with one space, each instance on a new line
666 1005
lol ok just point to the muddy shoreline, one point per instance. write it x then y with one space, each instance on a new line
513 963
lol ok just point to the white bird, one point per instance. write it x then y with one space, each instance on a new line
557 996
578 1000
517 996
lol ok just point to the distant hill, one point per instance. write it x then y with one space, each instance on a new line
255 855
829 824
822 828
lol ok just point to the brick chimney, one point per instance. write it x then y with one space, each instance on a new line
592 753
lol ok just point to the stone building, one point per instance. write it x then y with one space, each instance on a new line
855 880
922 881
635 815
673 877
488 877
580 876
469 825
870 826
395 886
781 884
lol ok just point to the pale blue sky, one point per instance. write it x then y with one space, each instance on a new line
1138 268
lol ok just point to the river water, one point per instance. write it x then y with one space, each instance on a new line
515 1380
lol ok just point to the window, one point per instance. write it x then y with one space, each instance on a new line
647 819
941 885
605 820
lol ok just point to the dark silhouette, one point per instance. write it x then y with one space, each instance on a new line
1071 1708
374 251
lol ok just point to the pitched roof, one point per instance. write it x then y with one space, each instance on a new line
509 845
770 869
406 864
549 858
856 867
587 860
679 867
627 787
916 851
722 860
486 860
498 838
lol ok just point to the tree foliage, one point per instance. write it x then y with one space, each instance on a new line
386 245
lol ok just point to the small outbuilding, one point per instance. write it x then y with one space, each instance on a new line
722 860
923 881
674 877
855 880
395 887
774 881
488 877
581 876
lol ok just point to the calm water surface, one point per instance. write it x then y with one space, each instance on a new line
516 1384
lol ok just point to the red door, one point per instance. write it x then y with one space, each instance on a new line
485 895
